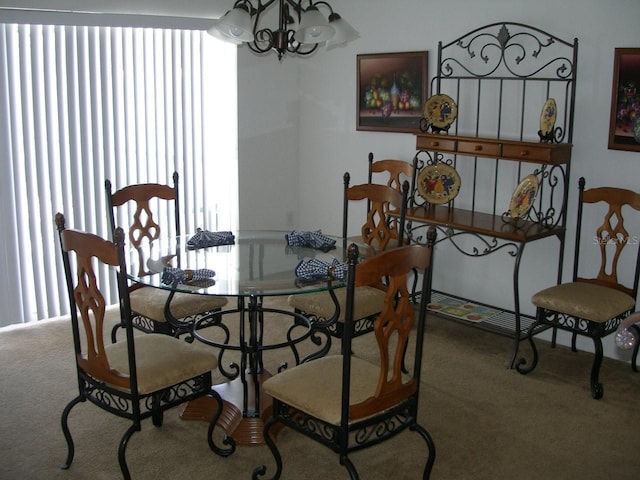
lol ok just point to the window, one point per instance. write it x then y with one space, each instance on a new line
80 104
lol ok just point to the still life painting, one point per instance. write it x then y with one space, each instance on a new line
392 88
624 125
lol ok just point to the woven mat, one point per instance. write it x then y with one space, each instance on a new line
462 309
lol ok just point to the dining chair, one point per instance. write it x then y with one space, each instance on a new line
397 172
349 403
139 205
594 305
138 377
380 231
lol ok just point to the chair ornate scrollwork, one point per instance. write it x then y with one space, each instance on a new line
348 403
140 376
151 312
593 306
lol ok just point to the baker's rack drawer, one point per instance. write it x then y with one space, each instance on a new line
490 149
544 153
438 143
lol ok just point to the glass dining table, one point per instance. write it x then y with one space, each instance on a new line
256 265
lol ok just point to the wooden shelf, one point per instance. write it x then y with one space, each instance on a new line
549 153
482 223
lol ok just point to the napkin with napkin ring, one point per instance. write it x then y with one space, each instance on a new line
173 276
205 238
317 269
313 239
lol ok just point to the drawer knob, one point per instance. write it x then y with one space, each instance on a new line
524 153
478 148
435 144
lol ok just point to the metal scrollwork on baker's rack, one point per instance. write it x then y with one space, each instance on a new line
481 246
493 51
538 199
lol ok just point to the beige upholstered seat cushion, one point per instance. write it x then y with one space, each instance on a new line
161 360
149 302
584 300
315 387
368 301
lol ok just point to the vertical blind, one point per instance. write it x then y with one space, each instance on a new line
81 104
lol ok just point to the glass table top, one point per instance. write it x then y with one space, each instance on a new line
258 263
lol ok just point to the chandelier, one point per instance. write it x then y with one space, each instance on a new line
300 29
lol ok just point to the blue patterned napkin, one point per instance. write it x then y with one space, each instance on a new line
172 276
314 239
205 238
316 269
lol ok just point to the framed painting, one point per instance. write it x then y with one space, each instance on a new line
392 89
624 124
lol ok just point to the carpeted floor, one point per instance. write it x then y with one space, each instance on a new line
488 422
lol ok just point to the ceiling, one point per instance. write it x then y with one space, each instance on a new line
183 8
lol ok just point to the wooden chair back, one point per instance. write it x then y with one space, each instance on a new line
611 236
379 228
92 256
398 171
143 225
394 326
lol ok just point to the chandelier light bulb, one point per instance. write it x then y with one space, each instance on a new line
242 24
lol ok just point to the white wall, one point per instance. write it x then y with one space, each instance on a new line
297 117
268 147
329 144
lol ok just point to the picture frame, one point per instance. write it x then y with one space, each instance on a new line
391 91
624 124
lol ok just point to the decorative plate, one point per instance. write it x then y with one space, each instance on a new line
523 196
440 111
548 116
439 183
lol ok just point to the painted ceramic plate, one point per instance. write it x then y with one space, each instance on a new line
439 183
548 116
523 197
440 111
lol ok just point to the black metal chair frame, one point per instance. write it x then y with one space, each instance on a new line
546 318
351 436
128 403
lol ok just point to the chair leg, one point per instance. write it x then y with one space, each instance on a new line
262 469
67 432
430 445
122 450
157 413
596 387
351 468
574 347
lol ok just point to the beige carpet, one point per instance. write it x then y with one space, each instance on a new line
488 422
